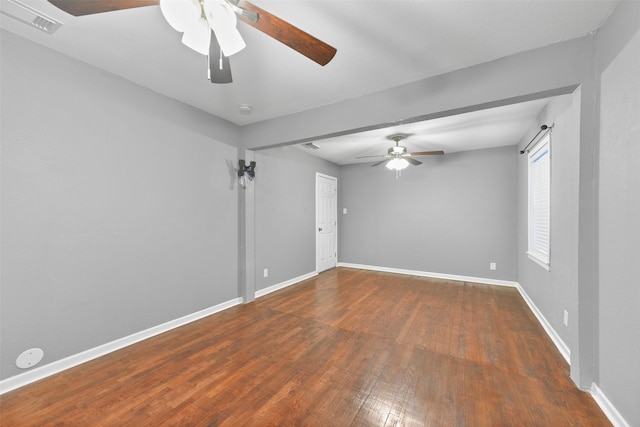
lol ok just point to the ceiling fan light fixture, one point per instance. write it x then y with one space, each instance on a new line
397 164
222 20
230 40
181 14
197 36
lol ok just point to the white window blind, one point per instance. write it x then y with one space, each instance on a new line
540 201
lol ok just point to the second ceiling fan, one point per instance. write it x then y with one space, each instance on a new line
397 157
209 27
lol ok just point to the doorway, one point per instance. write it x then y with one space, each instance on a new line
326 222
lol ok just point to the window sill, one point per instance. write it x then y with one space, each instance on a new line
538 261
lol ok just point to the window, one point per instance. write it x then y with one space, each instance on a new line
540 201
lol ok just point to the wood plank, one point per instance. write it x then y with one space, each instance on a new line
348 347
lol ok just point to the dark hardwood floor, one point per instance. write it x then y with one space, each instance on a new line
347 348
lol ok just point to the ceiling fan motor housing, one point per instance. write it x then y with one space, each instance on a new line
397 151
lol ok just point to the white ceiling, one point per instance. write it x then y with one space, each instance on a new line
495 127
380 44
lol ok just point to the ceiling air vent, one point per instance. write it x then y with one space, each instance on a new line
29 15
311 145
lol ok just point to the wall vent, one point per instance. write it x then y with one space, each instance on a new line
29 15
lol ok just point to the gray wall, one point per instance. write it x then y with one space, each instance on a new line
556 290
117 209
619 213
533 74
609 319
451 215
285 213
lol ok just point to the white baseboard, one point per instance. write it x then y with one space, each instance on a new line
560 344
430 274
52 368
607 407
281 285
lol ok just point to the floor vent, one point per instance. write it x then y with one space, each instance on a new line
29 15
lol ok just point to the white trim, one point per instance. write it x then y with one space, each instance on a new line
286 283
560 344
52 368
57 366
430 274
537 260
607 407
324 175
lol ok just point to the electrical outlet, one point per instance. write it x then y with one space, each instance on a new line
492 266
566 318
266 272
344 211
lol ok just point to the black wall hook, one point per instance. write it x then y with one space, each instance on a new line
248 170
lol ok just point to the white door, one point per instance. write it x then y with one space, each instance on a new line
326 221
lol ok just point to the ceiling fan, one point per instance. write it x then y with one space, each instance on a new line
397 157
209 27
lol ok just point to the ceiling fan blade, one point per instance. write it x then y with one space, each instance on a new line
379 163
89 7
219 66
295 38
370 157
427 153
414 162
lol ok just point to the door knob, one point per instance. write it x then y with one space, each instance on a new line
319 228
